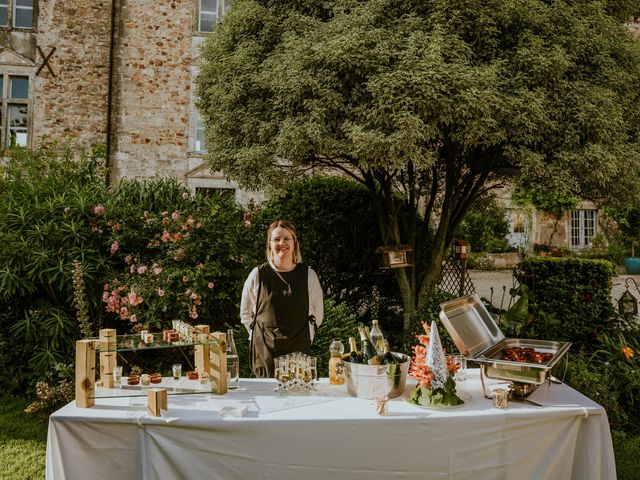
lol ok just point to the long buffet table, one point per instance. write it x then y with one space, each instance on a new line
254 432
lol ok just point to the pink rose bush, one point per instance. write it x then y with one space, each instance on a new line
167 271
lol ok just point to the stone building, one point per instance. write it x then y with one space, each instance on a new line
113 72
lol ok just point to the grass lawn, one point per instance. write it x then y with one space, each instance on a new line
23 441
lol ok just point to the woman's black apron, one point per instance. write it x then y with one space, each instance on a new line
281 322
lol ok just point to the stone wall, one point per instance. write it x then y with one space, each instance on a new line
72 105
153 88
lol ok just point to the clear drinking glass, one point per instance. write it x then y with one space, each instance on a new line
313 365
176 370
461 372
117 376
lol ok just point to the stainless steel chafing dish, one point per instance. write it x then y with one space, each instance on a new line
477 336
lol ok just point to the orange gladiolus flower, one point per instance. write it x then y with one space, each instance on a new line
627 352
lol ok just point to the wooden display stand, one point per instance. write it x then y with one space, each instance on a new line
211 359
85 373
156 401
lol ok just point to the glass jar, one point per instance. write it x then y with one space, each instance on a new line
336 370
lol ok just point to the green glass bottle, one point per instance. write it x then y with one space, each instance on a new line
354 356
369 354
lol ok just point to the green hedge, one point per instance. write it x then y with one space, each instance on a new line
569 298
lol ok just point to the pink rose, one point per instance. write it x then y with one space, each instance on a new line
98 210
193 314
210 285
175 215
160 292
142 269
114 247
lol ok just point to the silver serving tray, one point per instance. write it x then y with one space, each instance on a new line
478 337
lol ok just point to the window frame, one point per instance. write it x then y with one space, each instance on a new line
221 7
583 225
17 7
11 6
199 129
7 101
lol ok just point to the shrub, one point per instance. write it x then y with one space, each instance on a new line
183 259
45 224
480 261
485 226
589 377
569 298
339 234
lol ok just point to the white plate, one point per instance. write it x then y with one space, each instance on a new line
464 396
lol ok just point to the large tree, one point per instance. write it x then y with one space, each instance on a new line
428 103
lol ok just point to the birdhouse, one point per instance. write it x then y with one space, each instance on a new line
394 256
460 249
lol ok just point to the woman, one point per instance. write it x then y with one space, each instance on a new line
281 301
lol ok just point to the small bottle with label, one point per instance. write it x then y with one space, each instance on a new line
336 373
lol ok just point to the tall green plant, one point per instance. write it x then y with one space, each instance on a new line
46 217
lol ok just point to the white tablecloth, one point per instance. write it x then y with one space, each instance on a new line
254 432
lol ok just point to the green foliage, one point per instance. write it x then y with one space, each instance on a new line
554 202
182 258
591 379
427 104
569 298
627 216
480 261
339 242
339 322
485 226
617 357
46 197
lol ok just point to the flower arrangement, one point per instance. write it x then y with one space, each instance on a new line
433 370
418 368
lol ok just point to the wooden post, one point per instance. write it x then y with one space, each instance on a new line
218 371
85 373
156 401
201 352
108 356
463 277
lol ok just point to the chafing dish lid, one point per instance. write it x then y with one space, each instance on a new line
471 326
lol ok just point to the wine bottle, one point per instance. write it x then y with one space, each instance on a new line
354 356
377 338
388 358
368 352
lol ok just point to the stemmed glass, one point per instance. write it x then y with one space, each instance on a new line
295 372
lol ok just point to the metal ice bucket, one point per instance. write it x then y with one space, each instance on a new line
375 381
